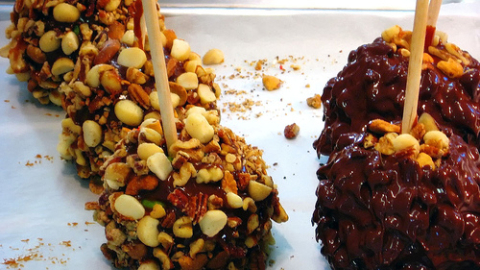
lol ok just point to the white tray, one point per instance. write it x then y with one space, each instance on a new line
43 224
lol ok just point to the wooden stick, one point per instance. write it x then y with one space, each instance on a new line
415 66
160 71
143 28
433 11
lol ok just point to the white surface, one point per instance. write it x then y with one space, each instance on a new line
40 201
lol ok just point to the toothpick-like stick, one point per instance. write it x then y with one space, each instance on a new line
415 66
160 71
143 28
433 11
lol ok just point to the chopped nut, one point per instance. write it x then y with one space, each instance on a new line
315 101
385 145
425 160
389 34
70 43
451 68
129 207
188 80
382 127
428 122
213 57
258 191
132 57
159 164
291 131
437 139
64 12
182 227
145 150
138 94
198 127
92 133
163 258
271 82
165 239
147 231
180 50
213 222
418 131
405 141
369 141
128 112
252 223
111 82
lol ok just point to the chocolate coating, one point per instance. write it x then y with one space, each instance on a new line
372 86
385 212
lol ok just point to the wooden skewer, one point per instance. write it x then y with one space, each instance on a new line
415 66
143 28
433 11
160 71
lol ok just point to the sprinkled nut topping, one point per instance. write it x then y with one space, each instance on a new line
426 147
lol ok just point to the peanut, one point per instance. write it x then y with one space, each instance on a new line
159 164
258 191
145 150
147 231
148 265
206 94
428 121
180 49
70 43
92 133
188 80
389 34
198 127
128 112
64 12
129 206
132 57
62 65
49 41
116 174
128 38
111 82
213 222
405 141
234 201
213 57
437 138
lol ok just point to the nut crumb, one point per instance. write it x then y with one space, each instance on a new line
291 131
315 101
271 82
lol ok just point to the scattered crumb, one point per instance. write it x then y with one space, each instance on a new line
291 131
271 82
38 160
315 101
91 205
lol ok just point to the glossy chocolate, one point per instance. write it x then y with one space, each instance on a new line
385 212
372 86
